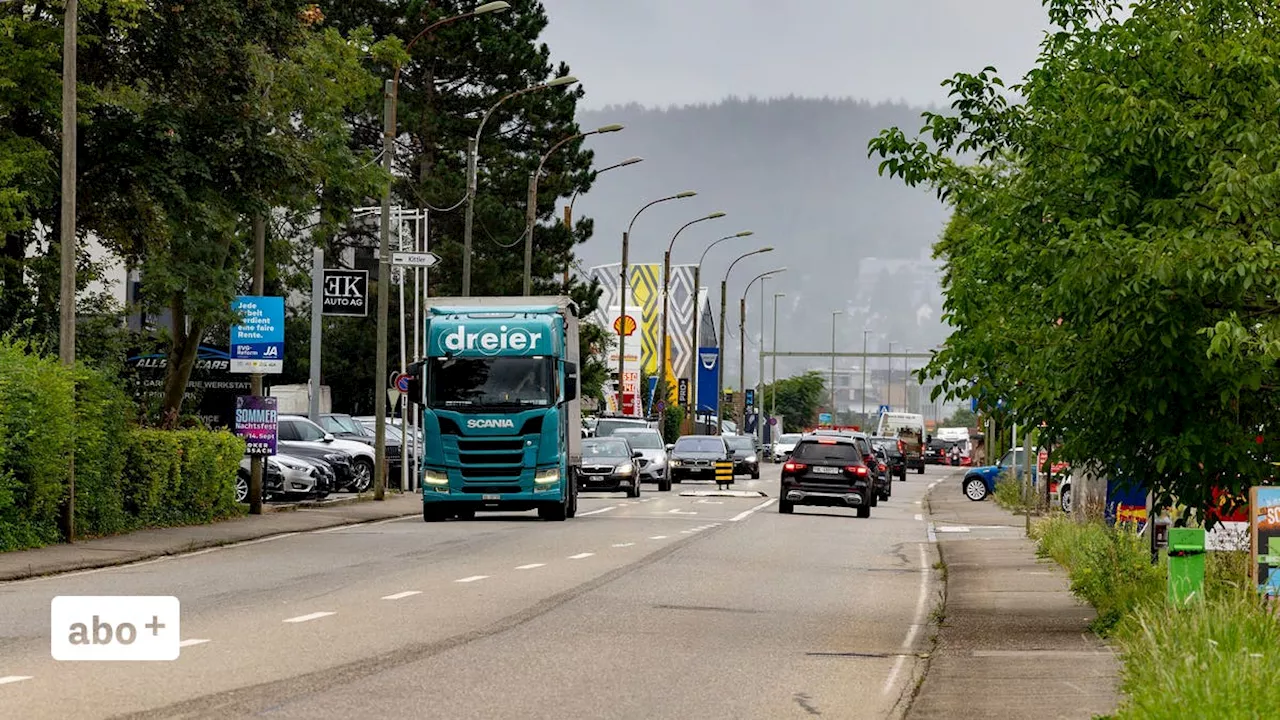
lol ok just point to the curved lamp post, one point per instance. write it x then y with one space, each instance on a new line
622 316
697 318
390 90
568 211
724 289
532 219
742 338
666 292
473 159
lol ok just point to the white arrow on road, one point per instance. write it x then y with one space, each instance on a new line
681 512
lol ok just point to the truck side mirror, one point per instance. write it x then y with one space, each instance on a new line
570 381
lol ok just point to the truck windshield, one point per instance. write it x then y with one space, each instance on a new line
487 383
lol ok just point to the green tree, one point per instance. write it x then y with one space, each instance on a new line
964 417
1110 267
798 399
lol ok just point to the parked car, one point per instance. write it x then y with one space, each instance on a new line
609 464
745 459
287 476
895 458
783 446
340 462
653 455
979 482
346 427
827 470
694 457
272 479
296 430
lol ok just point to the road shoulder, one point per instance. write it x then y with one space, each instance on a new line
1013 642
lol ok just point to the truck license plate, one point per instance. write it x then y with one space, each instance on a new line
491 497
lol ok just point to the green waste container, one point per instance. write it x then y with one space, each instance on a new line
1186 564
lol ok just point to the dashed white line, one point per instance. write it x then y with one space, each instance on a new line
919 517
13 679
747 513
598 511
310 616
337 528
658 537
193 641
531 566
580 556
471 579
623 544
910 639
402 595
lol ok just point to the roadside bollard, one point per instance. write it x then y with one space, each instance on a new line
1186 564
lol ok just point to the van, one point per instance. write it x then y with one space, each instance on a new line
909 428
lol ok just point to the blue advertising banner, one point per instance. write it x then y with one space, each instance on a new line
708 379
257 344
256 422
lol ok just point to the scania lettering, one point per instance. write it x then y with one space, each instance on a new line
501 416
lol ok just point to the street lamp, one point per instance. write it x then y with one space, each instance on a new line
742 338
697 318
568 211
390 89
773 406
532 218
724 289
473 160
622 315
834 315
666 291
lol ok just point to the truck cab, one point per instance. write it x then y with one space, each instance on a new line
501 414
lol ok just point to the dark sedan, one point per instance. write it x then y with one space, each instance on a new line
609 465
695 457
746 461
894 457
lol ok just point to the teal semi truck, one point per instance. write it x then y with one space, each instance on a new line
501 418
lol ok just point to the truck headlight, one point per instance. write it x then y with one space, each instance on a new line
436 477
625 469
546 477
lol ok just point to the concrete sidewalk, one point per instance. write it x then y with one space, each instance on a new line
146 544
1014 642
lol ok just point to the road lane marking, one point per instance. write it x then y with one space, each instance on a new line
580 556
348 526
747 513
678 511
403 595
658 537
919 517
909 641
473 578
192 641
13 679
311 616
596 512
531 566
710 502
623 544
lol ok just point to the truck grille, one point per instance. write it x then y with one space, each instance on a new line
498 451
490 489
470 472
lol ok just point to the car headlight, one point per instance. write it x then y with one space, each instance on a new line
751 458
546 477
675 462
435 477
625 469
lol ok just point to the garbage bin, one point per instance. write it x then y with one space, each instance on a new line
1186 564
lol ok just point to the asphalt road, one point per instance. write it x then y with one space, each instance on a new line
669 606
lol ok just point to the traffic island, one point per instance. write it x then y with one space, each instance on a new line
724 493
1012 641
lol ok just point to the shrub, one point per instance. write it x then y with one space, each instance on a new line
101 423
180 477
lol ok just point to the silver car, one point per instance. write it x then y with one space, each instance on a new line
287 475
653 455
784 445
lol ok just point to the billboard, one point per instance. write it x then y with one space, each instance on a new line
644 283
708 379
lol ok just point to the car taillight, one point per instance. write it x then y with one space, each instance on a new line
902 447
882 467
857 470
793 467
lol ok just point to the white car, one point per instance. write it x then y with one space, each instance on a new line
653 454
285 475
783 446
296 429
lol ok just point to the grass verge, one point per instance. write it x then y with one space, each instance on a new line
1217 654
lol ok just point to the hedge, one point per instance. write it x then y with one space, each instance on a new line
126 478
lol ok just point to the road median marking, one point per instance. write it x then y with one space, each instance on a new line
7 679
658 537
747 513
910 639
598 511
531 566
193 641
623 544
581 556
471 579
402 595
309 617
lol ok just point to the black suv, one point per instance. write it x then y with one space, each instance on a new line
746 461
894 457
694 457
882 481
828 470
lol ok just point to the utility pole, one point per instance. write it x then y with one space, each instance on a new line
67 236
384 299
834 315
759 407
742 361
864 376
773 404
724 289
255 379
622 320
469 216
317 312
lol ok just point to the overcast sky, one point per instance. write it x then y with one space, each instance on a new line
665 52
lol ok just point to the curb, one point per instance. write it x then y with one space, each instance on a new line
189 548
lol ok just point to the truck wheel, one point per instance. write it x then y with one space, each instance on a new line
975 489
572 511
555 512
864 511
467 514
432 512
